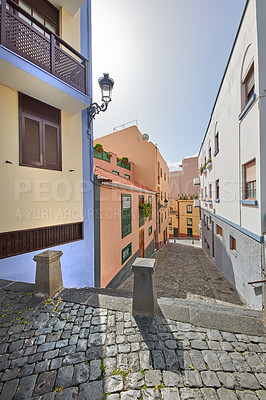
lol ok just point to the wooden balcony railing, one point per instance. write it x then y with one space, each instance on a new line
44 48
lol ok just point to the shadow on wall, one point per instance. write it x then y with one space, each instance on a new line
223 261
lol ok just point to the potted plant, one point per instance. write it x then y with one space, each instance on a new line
146 208
109 155
99 148
125 160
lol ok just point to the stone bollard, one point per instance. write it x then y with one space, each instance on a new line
48 278
144 292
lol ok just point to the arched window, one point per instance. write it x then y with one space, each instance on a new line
247 77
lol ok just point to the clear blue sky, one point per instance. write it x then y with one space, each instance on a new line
167 59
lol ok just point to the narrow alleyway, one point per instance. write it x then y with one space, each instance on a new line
187 272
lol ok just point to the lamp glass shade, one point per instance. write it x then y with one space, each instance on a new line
106 84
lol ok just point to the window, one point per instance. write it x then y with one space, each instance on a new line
249 85
217 185
205 192
170 222
158 173
210 153
161 172
232 243
207 223
219 230
43 11
189 221
141 211
161 195
150 201
189 209
165 176
250 180
210 191
150 230
40 134
216 142
127 176
126 214
115 172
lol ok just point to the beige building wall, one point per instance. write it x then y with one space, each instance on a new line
70 28
146 158
181 182
35 197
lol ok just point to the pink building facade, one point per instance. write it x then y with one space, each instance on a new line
122 232
181 182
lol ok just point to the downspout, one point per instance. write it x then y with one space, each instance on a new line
156 185
97 233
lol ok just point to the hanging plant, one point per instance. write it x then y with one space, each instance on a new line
146 209
125 160
99 148
109 155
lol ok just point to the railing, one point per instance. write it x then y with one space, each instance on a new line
101 156
123 165
44 48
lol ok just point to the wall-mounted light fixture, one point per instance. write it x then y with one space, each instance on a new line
106 84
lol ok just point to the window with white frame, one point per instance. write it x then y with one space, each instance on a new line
248 85
249 171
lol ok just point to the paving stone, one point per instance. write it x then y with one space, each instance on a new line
199 345
67 394
113 384
42 366
65 376
210 379
153 378
122 362
226 394
134 381
239 362
170 394
197 360
26 370
247 380
209 394
81 373
227 380
150 394
133 362
56 363
261 394
172 379
213 345
45 382
74 358
10 374
192 379
91 391
9 389
262 379
131 395
95 370
246 395
214 334
109 366
255 362
187 394
211 359
226 362
25 388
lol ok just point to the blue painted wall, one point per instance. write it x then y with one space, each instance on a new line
77 260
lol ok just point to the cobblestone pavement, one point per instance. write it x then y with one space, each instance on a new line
61 350
185 271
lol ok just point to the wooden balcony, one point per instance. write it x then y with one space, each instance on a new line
41 46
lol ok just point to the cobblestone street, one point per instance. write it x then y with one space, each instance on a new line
185 271
66 350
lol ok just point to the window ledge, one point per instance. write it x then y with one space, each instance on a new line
216 152
249 202
247 106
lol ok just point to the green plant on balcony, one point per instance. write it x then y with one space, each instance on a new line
125 160
118 159
109 155
99 148
145 209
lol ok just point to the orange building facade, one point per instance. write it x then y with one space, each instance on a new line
122 229
150 170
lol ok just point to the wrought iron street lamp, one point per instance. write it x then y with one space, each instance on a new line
106 84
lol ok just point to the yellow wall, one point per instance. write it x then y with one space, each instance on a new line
50 197
180 206
70 28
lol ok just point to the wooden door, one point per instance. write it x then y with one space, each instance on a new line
141 243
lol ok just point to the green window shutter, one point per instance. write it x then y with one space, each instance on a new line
126 214
141 212
126 252
150 230
150 201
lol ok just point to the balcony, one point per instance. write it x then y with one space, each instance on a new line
34 42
